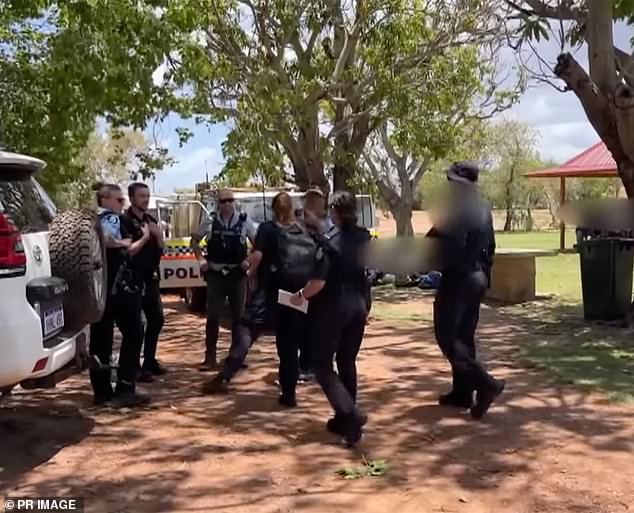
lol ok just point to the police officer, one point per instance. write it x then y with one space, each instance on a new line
146 263
315 221
338 313
262 308
466 246
123 307
225 267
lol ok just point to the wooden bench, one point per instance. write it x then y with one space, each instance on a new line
513 274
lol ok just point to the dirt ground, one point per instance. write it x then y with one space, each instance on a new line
544 449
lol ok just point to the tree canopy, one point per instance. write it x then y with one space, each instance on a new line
65 63
309 81
606 89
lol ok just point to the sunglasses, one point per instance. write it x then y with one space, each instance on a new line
226 200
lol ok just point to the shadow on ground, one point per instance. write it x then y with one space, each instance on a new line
243 452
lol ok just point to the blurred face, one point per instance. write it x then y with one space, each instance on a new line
114 201
283 208
226 203
315 205
141 198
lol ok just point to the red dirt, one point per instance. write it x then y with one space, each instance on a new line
544 449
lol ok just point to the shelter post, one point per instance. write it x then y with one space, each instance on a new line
562 224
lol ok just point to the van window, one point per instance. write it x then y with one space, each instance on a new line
257 208
365 212
27 204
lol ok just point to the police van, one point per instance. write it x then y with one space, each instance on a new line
181 216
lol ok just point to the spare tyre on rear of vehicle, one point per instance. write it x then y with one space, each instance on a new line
78 255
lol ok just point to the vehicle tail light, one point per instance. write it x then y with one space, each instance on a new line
40 364
12 255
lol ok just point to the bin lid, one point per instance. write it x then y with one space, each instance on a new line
523 253
603 240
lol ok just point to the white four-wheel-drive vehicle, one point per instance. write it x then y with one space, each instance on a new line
52 280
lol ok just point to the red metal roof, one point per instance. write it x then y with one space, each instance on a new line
595 162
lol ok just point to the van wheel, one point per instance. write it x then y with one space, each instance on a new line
196 299
78 255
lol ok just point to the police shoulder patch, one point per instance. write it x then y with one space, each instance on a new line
112 219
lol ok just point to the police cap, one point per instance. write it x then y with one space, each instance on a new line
465 172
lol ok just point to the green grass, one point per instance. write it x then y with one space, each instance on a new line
389 306
589 356
601 364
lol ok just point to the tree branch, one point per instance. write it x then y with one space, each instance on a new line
389 148
566 10
383 183
593 101
422 169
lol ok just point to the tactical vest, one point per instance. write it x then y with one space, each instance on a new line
227 246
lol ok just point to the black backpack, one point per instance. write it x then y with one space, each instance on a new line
297 250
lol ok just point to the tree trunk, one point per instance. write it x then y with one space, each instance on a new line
341 177
308 163
612 121
403 217
508 221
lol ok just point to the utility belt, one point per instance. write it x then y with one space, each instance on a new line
126 282
224 269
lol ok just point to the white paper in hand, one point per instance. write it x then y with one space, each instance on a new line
284 298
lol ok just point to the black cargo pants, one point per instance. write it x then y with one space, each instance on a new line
291 331
336 332
155 319
229 286
124 310
456 315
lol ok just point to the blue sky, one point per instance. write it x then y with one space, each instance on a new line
558 117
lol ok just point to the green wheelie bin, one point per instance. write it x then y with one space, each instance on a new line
606 277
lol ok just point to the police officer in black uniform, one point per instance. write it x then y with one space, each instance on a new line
338 316
224 266
314 218
146 263
123 307
465 249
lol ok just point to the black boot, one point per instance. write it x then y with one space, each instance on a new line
287 400
454 400
217 385
337 425
126 396
486 397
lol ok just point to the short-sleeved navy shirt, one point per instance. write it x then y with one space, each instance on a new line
345 255
146 261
